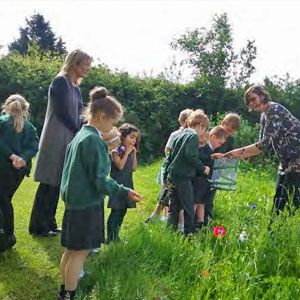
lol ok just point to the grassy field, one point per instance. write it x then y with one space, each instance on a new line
153 263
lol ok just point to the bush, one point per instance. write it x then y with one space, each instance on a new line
152 104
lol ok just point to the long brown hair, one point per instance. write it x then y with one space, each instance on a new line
18 108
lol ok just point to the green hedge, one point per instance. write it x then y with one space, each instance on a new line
152 104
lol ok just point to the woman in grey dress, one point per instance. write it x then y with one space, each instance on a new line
61 123
280 132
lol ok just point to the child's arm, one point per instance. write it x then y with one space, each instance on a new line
169 143
4 149
121 161
31 145
165 167
192 155
135 163
96 161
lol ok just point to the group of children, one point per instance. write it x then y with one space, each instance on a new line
186 195
89 174
100 161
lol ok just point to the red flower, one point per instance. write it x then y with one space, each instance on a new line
219 231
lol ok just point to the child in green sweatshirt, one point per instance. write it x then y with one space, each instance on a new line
181 165
18 144
84 182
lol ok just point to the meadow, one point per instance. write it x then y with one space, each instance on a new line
151 262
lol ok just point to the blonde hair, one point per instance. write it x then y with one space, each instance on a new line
73 59
198 117
101 102
233 120
17 107
219 132
184 115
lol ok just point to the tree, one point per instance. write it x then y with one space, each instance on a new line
211 54
38 31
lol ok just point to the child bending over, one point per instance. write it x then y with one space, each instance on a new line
201 186
231 123
163 200
18 144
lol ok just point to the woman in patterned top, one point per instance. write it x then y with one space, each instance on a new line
280 131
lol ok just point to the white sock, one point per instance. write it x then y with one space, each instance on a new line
181 227
153 215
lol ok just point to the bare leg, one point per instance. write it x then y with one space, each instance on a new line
71 265
181 217
155 213
157 209
200 213
166 211
63 262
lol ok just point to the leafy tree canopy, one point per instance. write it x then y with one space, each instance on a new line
38 31
211 54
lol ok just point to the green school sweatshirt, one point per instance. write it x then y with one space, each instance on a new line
23 144
86 169
184 160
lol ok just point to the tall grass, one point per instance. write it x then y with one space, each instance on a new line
151 262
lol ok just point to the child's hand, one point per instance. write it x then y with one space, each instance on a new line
13 157
19 163
135 197
206 170
130 149
217 155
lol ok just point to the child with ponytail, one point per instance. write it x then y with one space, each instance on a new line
18 144
85 180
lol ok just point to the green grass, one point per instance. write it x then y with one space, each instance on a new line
153 263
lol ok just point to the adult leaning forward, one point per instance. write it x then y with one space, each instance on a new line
280 131
61 123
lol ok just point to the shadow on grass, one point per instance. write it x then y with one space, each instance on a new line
20 279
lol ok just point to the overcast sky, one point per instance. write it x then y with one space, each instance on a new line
134 36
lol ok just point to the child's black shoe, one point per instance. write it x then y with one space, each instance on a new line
199 225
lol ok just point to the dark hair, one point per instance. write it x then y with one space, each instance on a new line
101 102
126 128
258 90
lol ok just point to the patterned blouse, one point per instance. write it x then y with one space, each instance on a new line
280 130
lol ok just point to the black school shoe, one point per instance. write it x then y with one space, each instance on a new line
199 225
7 241
49 233
11 241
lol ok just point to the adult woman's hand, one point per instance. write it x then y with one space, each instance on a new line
236 153
217 155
